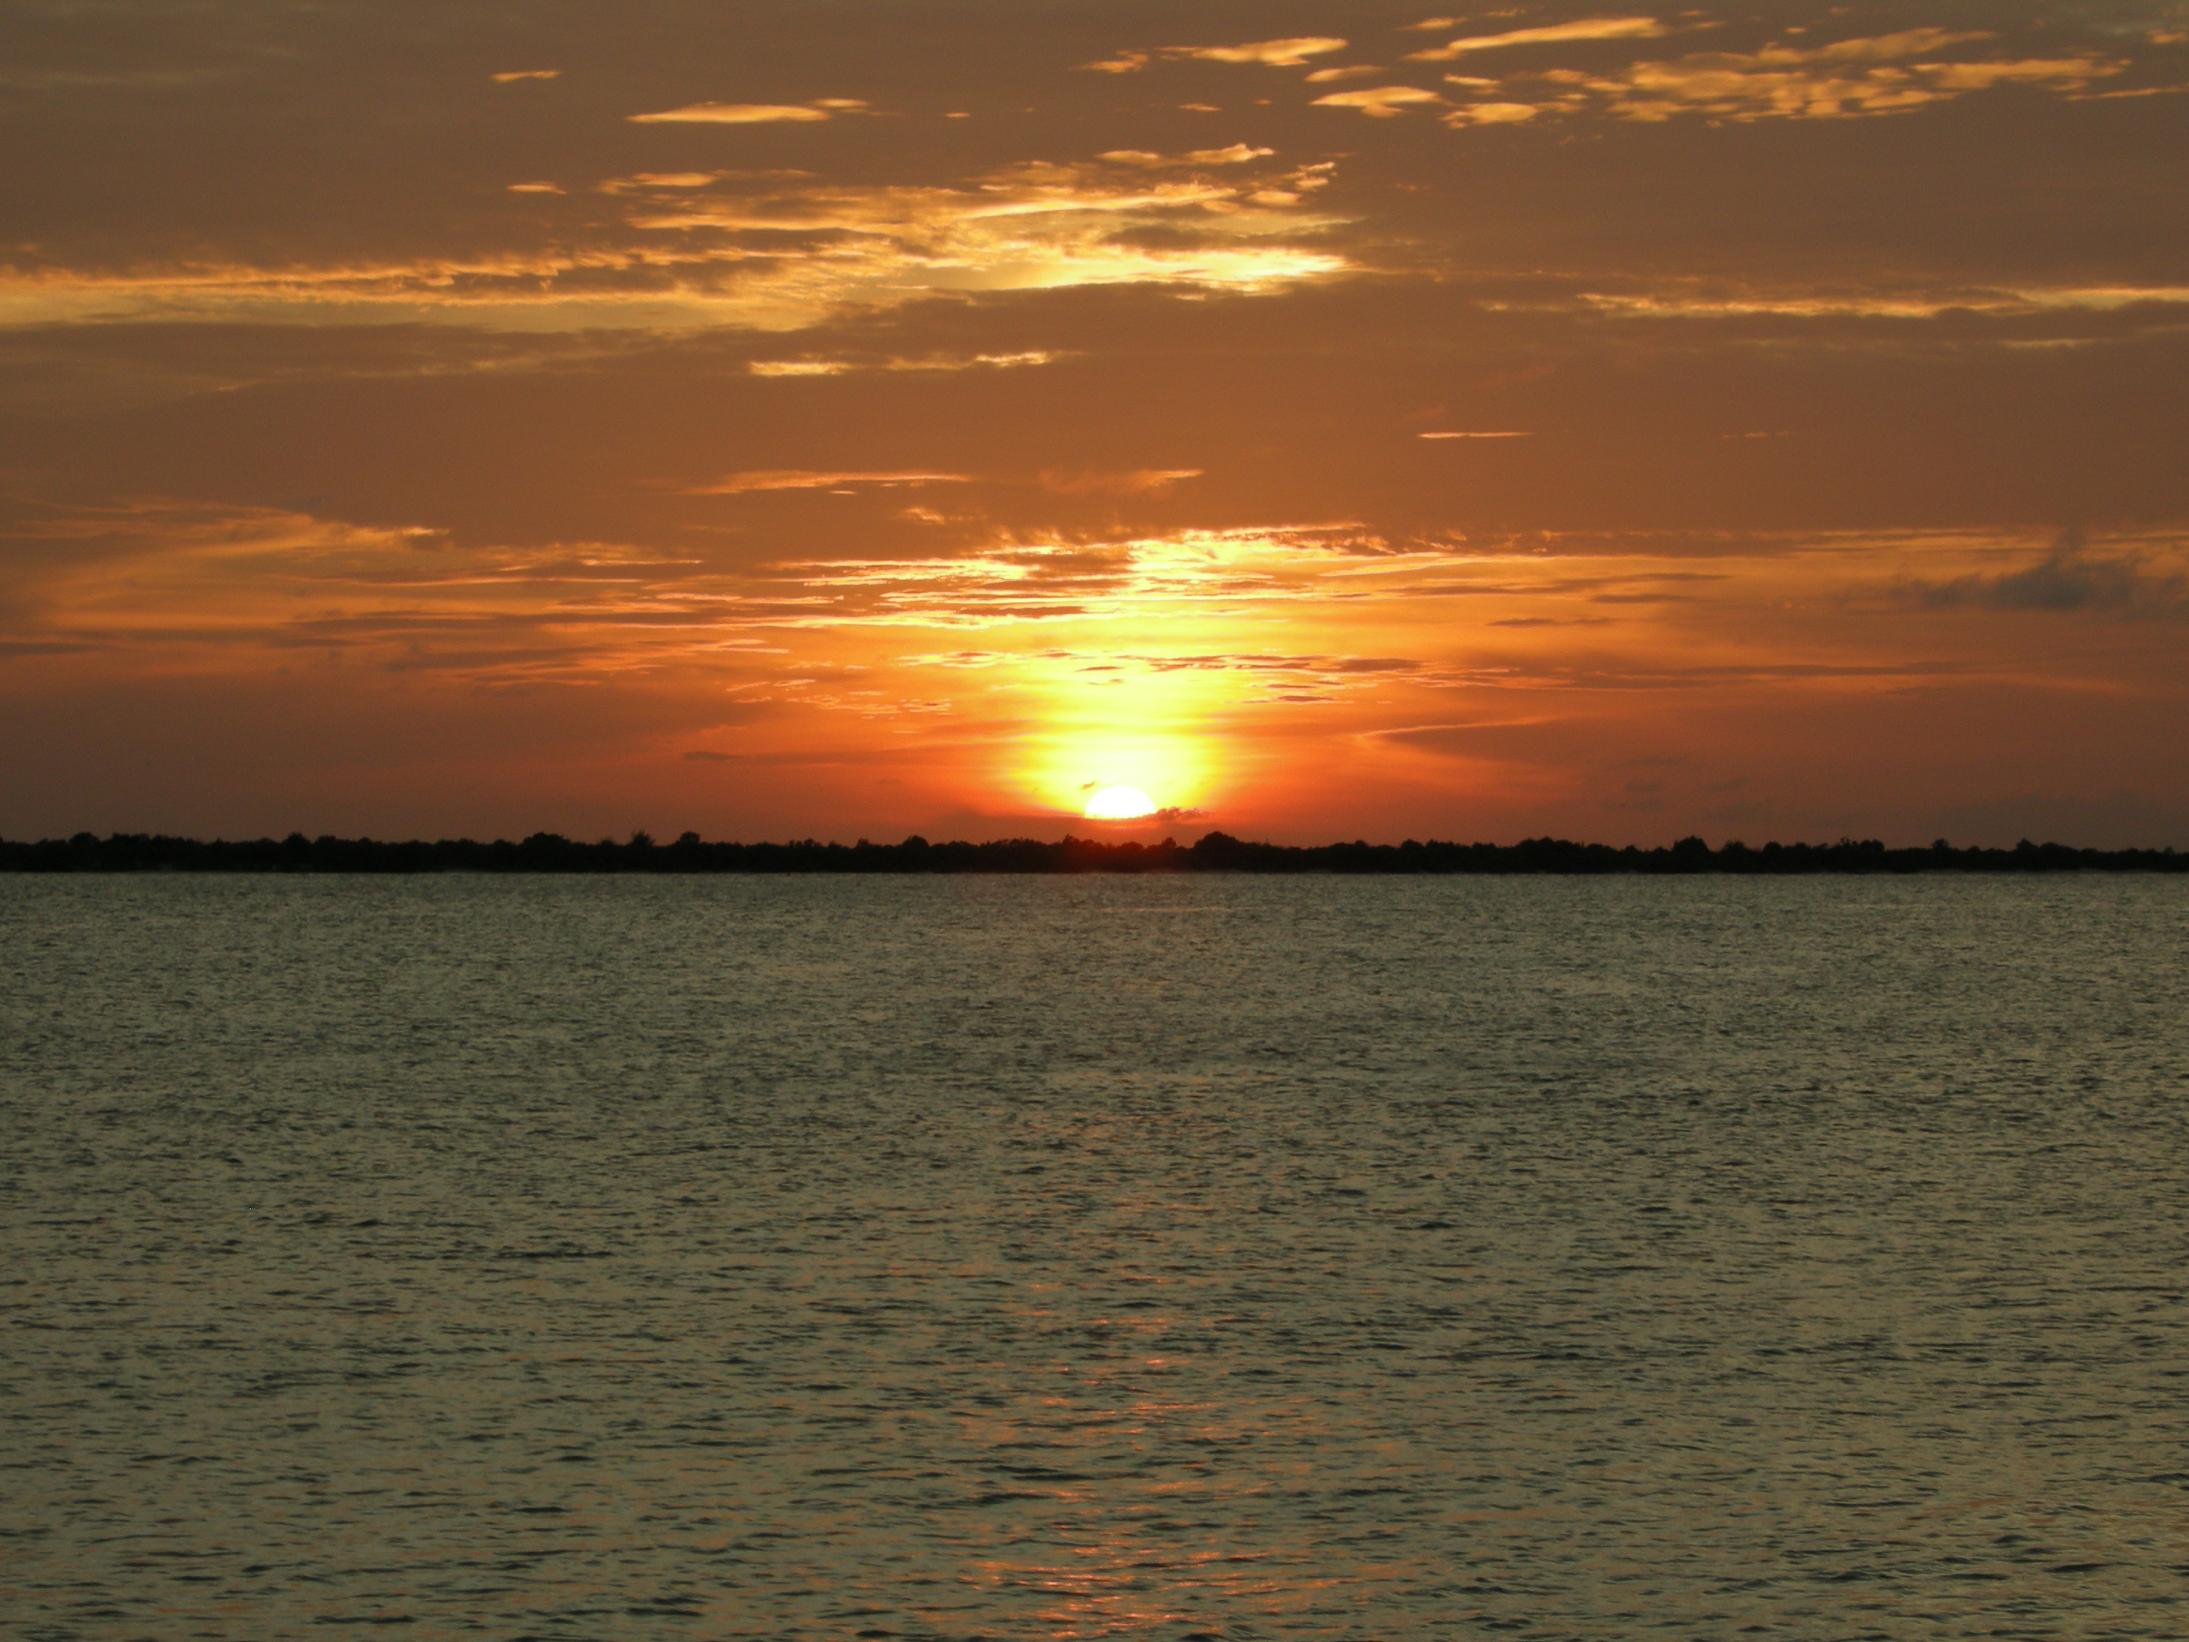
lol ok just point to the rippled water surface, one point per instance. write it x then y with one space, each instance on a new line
1175 1257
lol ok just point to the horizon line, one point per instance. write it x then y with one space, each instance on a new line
547 852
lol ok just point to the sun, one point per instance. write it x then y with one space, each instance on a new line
1104 775
1118 804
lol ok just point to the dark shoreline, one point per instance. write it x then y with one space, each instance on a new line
1217 852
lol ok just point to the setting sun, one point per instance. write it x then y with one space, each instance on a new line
1103 774
1119 804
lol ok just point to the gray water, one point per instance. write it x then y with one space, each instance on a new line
1075 1258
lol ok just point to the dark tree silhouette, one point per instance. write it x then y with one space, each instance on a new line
1213 852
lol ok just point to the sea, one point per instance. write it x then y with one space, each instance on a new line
1175 1257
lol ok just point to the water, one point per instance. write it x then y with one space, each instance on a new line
1068 1258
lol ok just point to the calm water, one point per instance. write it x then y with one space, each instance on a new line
1077 1258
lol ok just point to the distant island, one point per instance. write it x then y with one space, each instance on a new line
1216 852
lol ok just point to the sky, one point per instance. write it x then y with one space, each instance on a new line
805 418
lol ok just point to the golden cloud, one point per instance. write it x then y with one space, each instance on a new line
1292 53
1845 79
776 251
1125 62
1490 114
926 362
1683 303
1587 28
761 479
1147 159
1135 482
1379 102
1287 53
732 114
1875 48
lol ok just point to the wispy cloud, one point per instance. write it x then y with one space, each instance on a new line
2069 578
1294 52
1701 301
733 114
1132 482
757 479
1490 113
1584 29
777 250
1844 79
1379 102
1288 53
1057 481
922 362
1148 159
510 76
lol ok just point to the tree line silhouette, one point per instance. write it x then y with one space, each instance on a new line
1216 852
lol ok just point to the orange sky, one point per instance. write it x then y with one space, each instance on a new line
836 419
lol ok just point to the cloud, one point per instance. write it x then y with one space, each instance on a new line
1117 580
639 180
155 577
732 114
1469 740
1316 666
510 76
1020 360
1490 114
1846 79
1057 481
2069 578
1379 102
1295 52
1134 482
1035 226
2071 73
1148 160
1549 621
1698 302
1271 675
1587 28
1872 48
758 479
1500 433
777 250
1289 53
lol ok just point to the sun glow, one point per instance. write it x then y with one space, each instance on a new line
1118 804
1101 775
